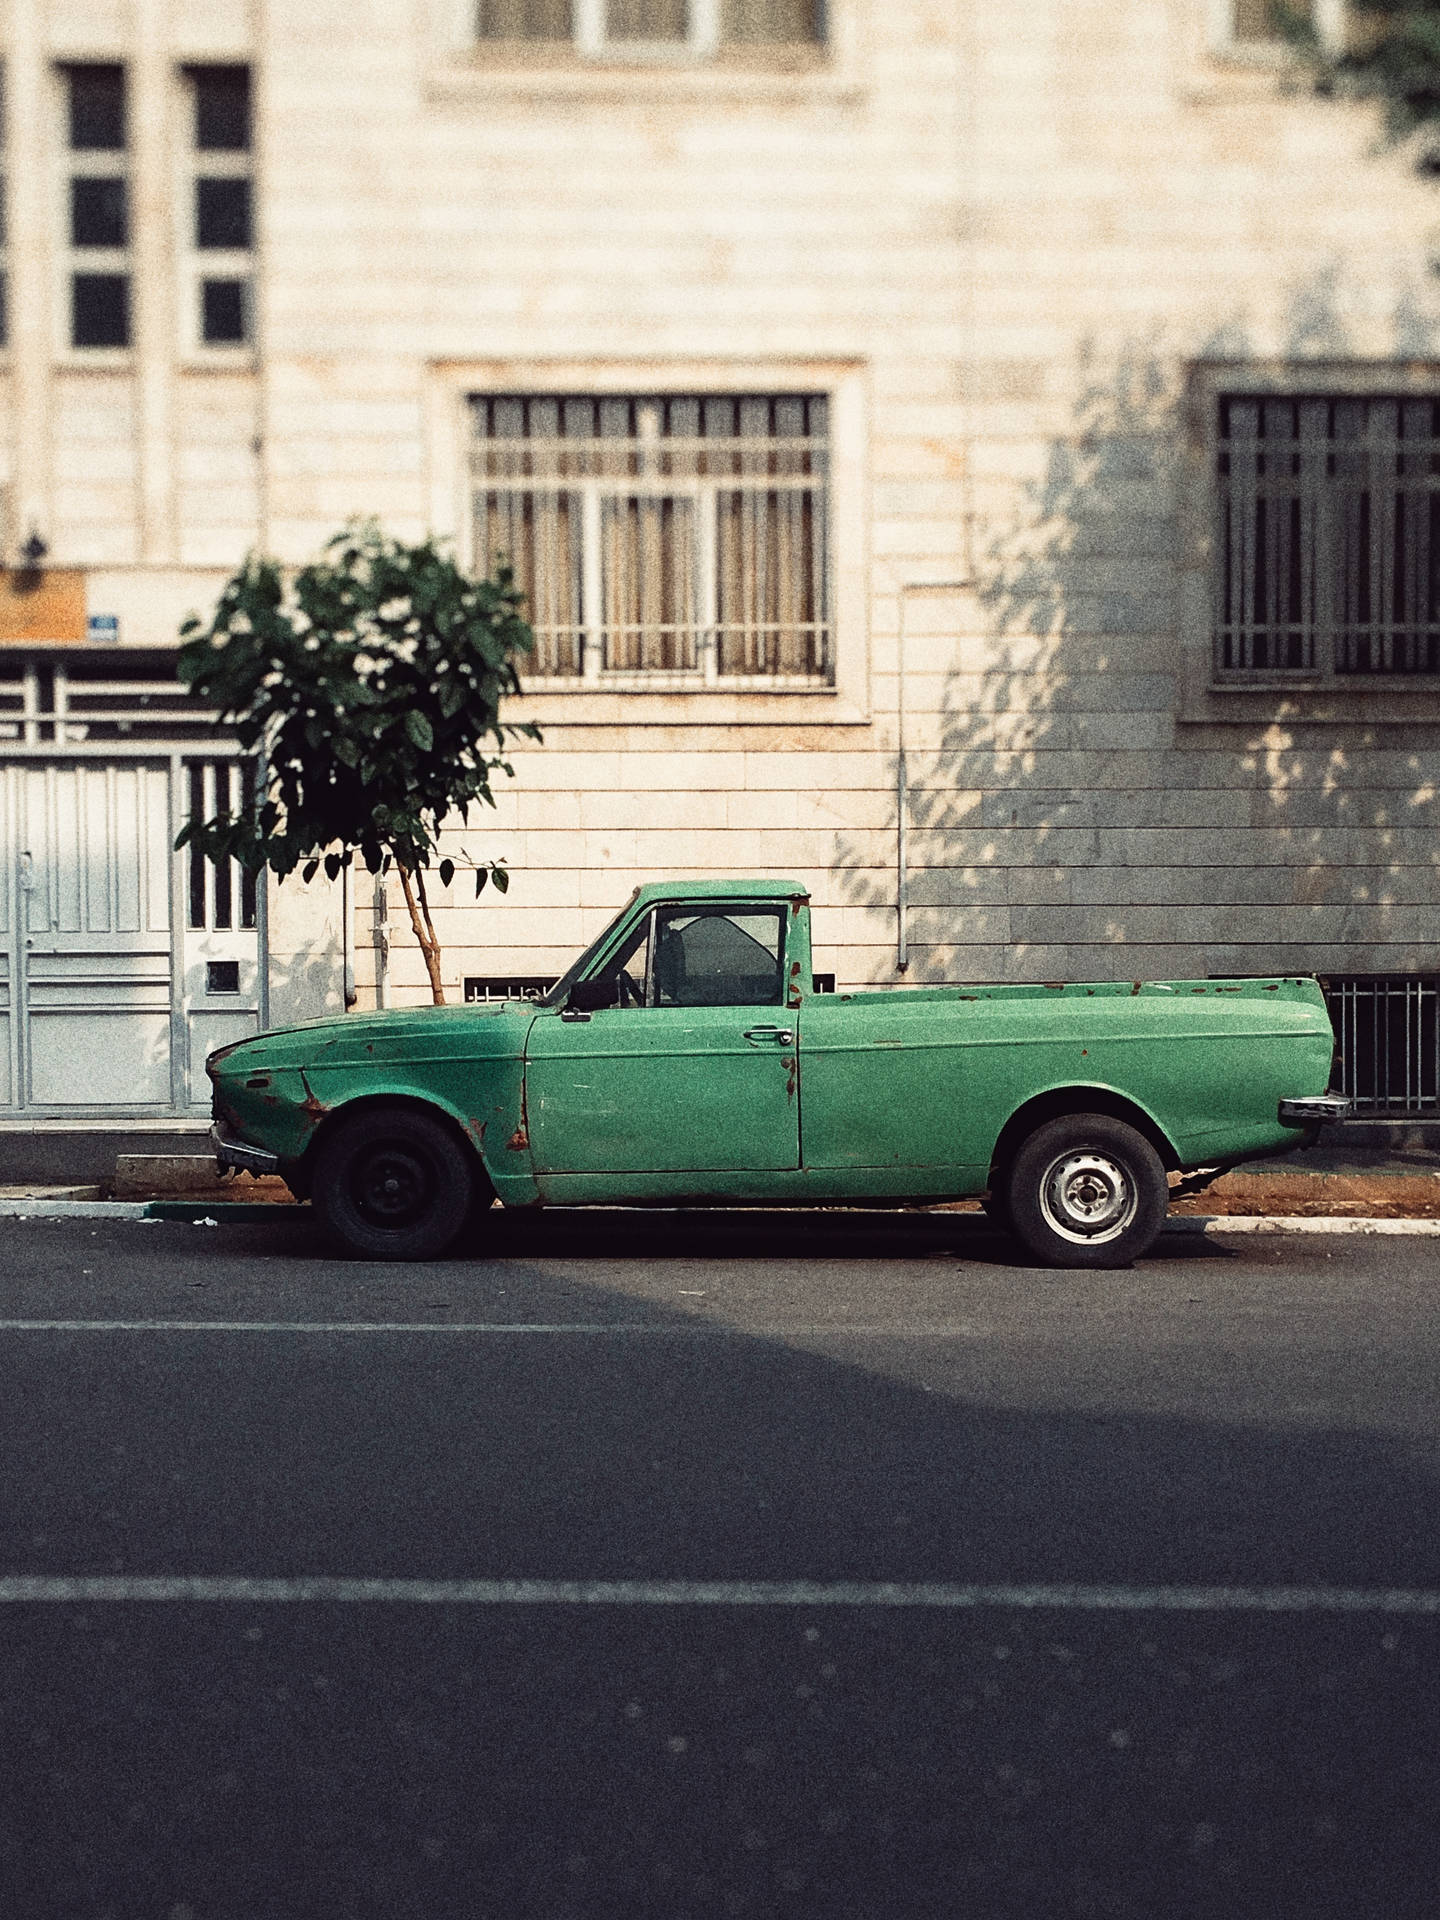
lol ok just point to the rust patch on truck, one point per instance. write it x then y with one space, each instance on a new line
313 1108
794 994
791 1064
519 1141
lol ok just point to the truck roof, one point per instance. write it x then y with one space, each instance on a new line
770 889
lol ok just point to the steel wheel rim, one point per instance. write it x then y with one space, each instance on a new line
392 1186
1088 1198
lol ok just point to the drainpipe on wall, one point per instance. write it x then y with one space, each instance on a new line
347 936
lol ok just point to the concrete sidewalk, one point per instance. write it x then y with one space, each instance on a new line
1379 1183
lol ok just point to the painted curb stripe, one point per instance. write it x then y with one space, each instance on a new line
112 1589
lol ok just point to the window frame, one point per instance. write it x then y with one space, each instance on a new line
113 163
590 39
1317 693
697 508
467 70
844 698
201 264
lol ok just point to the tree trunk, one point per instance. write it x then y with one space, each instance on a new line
424 928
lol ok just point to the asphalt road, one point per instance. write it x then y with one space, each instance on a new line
872 1405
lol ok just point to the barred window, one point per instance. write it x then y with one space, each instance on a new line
1328 537
697 25
684 535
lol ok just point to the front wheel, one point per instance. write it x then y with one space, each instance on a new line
1087 1190
393 1184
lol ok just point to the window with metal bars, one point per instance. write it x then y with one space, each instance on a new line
670 534
1327 538
695 26
222 894
1387 1041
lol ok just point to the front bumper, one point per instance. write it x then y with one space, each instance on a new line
230 1152
1318 1110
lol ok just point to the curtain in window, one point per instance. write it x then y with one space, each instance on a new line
648 20
648 561
770 545
766 21
525 19
535 529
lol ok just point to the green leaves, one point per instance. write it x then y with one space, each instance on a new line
370 683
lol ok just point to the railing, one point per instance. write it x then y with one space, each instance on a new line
1387 1033
44 703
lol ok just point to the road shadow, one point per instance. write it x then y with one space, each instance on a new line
243 1762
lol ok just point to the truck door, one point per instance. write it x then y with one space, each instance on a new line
688 1066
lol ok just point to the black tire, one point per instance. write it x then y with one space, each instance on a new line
996 1205
1087 1190
393 1184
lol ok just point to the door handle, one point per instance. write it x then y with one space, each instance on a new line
782 1036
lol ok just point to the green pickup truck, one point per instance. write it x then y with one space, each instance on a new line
685 1060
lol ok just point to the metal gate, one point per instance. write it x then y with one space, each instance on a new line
117 974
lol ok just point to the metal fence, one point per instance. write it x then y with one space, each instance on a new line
1387 1034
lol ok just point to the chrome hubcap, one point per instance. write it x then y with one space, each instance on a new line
1087 1197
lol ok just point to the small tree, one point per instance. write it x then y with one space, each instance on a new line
370 683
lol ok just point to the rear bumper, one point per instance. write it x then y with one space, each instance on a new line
1317 1111
230 1152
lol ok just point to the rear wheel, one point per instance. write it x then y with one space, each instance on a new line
393 1184
1087 1190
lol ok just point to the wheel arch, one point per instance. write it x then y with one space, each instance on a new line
303 1169
1057 1101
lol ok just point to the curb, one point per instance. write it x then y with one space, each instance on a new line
213 1213
231 1213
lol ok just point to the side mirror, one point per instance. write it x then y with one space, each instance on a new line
591 996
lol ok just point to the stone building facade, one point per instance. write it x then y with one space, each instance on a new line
978 460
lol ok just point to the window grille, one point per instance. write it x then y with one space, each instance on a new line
222 893
527 986
1328 537
1387 1042
110 698
697 26
676 534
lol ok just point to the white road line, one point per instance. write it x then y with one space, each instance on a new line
679 1328
108 1589
674 1330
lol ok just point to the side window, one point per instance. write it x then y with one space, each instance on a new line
717 959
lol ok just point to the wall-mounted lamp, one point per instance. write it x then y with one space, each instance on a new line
33 553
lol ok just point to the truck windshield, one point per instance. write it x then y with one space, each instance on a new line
560 992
